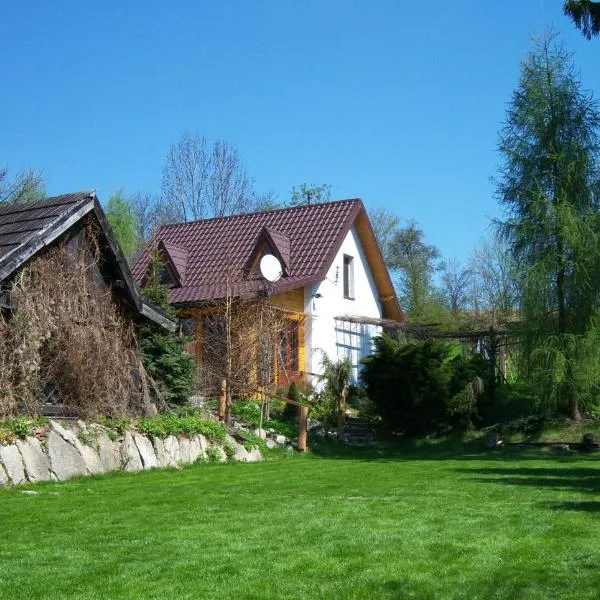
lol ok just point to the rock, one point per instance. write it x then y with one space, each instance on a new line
172 450
161 453
241 454
93 464
254 455
64 457
35 460
144 446
261 433
589 441
11 458
270 444
492 440
184 450
280 439
195 448
4 481
203 444
109 452
130 456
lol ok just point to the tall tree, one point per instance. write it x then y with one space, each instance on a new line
150 211
456 281
585 14
121 216
549 147
202 180
414 262
493 277
385 224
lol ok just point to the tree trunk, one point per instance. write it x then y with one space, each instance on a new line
302 428
223 400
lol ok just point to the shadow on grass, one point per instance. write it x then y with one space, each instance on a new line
591 507
448 448
584 480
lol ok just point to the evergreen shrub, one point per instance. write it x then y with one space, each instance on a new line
423 386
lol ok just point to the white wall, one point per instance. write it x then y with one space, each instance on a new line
340 339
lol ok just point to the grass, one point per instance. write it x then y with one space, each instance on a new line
436 521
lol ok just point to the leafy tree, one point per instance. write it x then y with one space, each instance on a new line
309 194
585 14
163 352
385 225
25 186
122 219
414 262
549 147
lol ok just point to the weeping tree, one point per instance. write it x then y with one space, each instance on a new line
585 14
549 147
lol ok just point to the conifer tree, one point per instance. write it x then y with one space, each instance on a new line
549 147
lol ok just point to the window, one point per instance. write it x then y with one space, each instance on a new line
348 277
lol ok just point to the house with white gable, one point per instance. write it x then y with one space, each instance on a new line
319 263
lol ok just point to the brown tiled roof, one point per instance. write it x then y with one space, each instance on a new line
178 259
307 237
219 248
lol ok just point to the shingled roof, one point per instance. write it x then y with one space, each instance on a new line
307 238
25 229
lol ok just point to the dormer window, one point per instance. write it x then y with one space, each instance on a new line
348 277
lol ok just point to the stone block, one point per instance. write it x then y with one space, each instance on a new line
11 458
241 454
184 450
109 452
65 458
144 446
35 460
161 454
195 448
172 450
130 456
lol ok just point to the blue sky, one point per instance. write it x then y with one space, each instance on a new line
396 102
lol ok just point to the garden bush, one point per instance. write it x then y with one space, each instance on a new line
423 386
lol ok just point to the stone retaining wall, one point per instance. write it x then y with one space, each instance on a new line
86 449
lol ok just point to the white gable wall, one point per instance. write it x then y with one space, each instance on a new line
340 339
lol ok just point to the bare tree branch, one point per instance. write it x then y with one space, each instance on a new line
202 180
27 186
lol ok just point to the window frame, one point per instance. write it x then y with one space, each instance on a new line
348 277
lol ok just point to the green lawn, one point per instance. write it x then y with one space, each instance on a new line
406 524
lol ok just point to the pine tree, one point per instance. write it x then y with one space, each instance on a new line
549 147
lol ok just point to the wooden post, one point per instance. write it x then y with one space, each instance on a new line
302 427
223 399
228 403
341 417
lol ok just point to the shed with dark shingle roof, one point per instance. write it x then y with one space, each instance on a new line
26 229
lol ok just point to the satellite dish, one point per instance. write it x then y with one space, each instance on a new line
270 268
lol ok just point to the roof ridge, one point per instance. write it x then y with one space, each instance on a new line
262 212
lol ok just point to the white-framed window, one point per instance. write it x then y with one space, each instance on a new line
348 277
